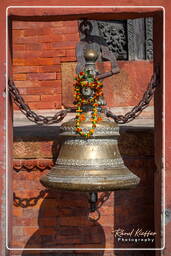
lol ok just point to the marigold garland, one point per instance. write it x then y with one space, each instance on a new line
85 79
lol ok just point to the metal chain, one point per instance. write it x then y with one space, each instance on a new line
144 102
28 202
103 198
95 216
31 115
32 201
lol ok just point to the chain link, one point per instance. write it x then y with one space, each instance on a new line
103 198
31 115
28 202
95 216
144 102
32 201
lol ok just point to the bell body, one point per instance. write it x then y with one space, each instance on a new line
90 164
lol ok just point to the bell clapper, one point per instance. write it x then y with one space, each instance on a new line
93 201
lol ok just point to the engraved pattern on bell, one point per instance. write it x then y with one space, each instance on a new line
104 128
88 179
82 141
91 162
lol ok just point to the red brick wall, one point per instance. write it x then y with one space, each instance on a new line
39 48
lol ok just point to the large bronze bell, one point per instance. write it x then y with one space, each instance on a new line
92 164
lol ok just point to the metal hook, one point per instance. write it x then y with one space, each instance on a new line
96 213
86 27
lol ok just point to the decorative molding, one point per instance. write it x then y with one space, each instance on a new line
149 38
32 165
114 33
130 39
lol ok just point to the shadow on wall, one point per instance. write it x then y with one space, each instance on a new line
134 208
63 216
57 229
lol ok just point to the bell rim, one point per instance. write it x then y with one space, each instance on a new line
130 181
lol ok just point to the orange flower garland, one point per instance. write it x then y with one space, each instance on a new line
85 79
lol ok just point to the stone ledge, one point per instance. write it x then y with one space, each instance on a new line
145 119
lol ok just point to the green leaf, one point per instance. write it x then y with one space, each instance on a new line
90 79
